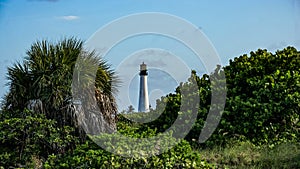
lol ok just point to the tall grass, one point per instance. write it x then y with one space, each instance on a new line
246 155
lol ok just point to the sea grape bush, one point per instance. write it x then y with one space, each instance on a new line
263 99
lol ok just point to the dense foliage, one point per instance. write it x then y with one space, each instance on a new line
28 138
90 155
38 129
263 98
262 104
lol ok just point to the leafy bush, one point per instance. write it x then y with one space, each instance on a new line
27 140
262 104
89 155
263 97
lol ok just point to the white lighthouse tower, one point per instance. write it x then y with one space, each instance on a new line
143 95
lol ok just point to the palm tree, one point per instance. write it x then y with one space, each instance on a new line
94 84
43 83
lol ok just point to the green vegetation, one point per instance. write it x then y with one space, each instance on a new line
259 127
243 154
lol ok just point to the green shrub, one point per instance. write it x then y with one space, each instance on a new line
28 140
90 155
262 103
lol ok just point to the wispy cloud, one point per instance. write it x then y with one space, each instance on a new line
69 17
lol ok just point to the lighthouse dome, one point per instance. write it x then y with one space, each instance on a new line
143 66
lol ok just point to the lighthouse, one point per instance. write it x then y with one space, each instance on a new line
143 94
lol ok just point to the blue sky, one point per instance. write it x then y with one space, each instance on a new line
234 27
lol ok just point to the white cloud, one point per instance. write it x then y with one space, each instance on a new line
69 17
